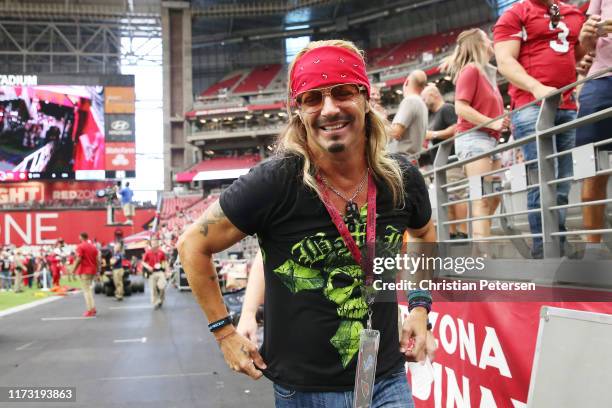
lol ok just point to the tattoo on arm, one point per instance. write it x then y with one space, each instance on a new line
212 216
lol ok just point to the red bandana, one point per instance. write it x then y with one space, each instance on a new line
327 66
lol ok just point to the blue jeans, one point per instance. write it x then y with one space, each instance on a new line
391 392
523 124
5 278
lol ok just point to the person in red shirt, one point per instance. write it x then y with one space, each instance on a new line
154 261
86 267
536 48
477 101
54 264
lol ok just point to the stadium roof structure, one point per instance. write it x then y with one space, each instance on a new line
220 168
231 22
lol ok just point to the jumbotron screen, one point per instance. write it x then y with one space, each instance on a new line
62 128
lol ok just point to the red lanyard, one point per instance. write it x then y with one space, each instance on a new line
366 264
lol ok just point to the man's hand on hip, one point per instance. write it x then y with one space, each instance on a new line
240 354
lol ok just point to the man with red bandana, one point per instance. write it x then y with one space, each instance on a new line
318 208
536 48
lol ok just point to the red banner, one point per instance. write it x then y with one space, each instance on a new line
20 193
45 227
485 353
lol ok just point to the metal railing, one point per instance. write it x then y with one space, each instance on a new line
546 181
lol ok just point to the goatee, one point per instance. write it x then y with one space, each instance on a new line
336 148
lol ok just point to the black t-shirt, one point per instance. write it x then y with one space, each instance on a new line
314 310
440 120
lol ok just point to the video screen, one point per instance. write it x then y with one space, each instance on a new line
52 131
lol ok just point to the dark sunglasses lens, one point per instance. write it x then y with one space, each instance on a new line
344 92
310 98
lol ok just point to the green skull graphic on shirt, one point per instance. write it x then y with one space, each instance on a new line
321 263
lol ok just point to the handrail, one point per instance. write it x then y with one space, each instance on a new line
535 102
546 182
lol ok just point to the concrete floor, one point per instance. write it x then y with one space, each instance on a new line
105 358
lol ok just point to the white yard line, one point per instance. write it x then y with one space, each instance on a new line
147 377
30 305
144 306
47 319
138 340
25 346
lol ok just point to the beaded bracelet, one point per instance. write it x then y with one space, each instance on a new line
220 339
419 303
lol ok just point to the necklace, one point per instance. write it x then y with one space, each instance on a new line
351 211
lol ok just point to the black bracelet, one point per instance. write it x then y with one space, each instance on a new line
214 326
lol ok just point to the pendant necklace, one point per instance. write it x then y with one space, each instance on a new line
351 211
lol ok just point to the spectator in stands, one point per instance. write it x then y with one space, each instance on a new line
19 265
442 124
596 95
375 102
126 195
154 261
329 149
87 265
536 48
5 270
477 101
410 122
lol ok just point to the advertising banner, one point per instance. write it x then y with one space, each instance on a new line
22 193
120 128
46 226
119 99
485 353
120 156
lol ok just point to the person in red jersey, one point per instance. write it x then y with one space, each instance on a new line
54 264
86 267
536 48
154 261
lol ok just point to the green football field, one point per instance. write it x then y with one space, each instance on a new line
11 299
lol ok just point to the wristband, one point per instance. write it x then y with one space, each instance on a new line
419 303
214 326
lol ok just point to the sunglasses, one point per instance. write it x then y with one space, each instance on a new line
555 15
312 100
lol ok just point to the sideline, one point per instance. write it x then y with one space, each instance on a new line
30 305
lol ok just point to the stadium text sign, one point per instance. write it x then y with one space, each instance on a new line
46 226
9 80
28 228
21 193
485 353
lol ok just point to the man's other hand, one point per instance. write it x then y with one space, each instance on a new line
247 326
240 354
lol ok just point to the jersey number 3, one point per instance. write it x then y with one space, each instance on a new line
560 44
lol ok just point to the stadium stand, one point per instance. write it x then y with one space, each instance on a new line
226 84
412 49
173 204
233 163
258 79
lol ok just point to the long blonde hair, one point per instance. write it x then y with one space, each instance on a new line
293 138
469 50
